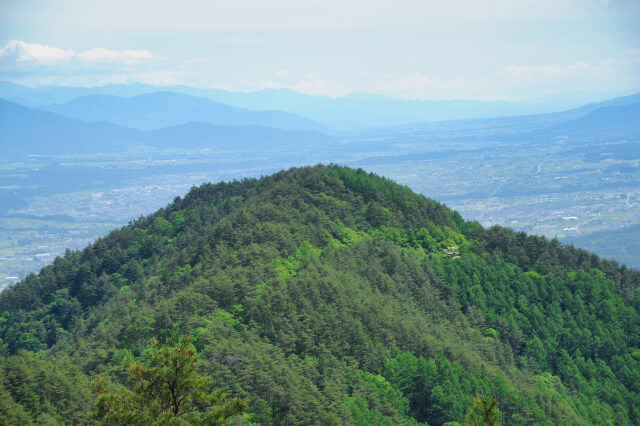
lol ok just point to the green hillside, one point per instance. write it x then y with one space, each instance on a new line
327 295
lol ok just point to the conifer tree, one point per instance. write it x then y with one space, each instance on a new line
485 412
167 391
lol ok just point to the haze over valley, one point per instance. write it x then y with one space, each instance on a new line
74 170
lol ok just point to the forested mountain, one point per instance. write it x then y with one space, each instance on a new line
326 295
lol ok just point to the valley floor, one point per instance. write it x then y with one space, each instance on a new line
556 187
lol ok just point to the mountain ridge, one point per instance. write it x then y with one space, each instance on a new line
364 110
153 111
28 131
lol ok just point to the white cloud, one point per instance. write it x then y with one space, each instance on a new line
421 86
514 82
409 86
90 79
308 83
416 85
128 57
529 75
18 53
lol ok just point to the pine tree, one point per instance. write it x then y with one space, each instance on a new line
166 390
484 412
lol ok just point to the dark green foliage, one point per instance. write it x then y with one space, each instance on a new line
37 390
484 412
328 295
166 390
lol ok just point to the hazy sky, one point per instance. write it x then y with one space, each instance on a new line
465 49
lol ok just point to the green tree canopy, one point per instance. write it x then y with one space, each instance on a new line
166 390
484 412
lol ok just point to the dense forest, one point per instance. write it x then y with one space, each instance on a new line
327 295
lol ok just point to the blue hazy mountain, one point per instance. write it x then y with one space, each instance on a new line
363 110
610 119
354 111
37 97
198 135
26 131
614 102
360 110
150 110
163 109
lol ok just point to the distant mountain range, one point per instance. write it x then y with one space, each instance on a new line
107 123
163 109
618 101
26 131
366 111
38 97
356 111
607 118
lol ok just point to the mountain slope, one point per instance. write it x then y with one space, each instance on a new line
327 295
614 102
36 97
164 109
364 110
25 131
607 119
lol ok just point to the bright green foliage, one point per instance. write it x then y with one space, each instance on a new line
375 401
289 266
166 390
485 412
326 295
362 415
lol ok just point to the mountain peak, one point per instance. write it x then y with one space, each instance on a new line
326 294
